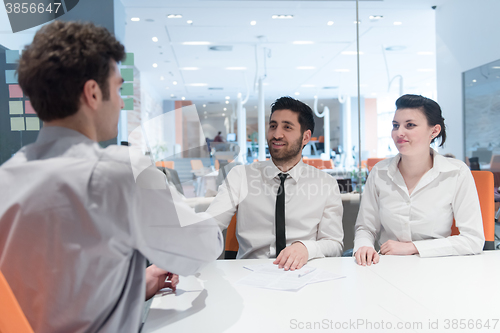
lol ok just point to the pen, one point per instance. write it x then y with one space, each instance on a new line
307 271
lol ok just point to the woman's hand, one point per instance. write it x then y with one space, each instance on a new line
398 248
365 255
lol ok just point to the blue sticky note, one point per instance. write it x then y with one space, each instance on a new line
10 76
11 56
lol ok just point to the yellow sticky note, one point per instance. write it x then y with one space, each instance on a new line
32 124
17 124
16 107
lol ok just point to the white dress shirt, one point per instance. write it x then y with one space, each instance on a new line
313 209
76 227
425 217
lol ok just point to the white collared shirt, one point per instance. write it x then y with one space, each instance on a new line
425 217
313 209
76 229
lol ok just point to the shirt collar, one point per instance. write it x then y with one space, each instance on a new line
52 133
271 171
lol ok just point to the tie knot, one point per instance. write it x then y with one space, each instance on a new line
283 177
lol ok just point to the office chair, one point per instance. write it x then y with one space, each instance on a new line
12 318
166 164
231 247
370 162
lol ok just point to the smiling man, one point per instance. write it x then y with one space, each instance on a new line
285 209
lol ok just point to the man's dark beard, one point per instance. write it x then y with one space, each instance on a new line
291 152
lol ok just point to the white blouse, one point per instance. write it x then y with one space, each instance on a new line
425 217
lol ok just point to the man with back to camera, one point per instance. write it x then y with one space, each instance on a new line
76 223
305 221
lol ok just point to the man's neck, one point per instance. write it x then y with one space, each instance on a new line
77 122
287 165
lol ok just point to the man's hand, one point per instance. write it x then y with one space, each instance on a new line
365 255
292 257
155 280
398 248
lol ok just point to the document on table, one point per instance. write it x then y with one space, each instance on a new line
269 276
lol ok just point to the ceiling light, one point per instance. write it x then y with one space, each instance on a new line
236 68
172 95
474 80
189 22
395 48
425 53
282 16
155 65
496 67
197 84
135 19
227 102
329 23
398 23
174 83
183 98
204 105
205 111
189 68
223 114
376 17
227 97
253 22
174 16
306 67
342 70
155 39
196 43
303 42
297 93
225 109
162 78
351 53
425 70
374 94
308 86
206 117
358 22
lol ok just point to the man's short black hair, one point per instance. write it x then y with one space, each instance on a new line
306 118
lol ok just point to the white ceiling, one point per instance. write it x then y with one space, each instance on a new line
227 23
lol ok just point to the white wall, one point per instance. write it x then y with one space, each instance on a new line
466 37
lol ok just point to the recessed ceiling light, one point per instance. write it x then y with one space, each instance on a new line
204 105
174 16
398 23
183 98
376 17
425 69
395 48
174 83
225 109
474 80
227 97
155 65
358 22
172 95
329 23
496 67
189 68
351 53
196 43
342 70
425 53
227 102
197 84
308 86
303 42
135 19
189 21
155 39
162 78
306 67
253 22
297 93
282 16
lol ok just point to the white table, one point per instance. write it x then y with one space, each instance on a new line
399 290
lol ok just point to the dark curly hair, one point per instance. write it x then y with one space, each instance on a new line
62 57
306 118
430 108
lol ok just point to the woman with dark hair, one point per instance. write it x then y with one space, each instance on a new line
410 200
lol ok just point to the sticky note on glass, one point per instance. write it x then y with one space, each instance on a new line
15 91
11 56
129 103
127 74
28 109
10 76
15 107
32 124
17 124
127 89
129 59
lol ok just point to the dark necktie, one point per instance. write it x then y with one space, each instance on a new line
280 215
